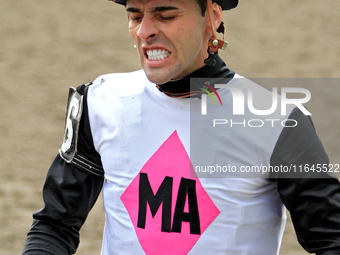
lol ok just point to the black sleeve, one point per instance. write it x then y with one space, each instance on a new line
69 194
313 198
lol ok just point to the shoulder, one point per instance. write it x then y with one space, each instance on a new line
271 101
110 93
120 83
253 87
113 88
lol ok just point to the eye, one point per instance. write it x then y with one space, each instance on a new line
135 17
166 18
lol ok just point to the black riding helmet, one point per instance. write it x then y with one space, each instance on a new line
225 4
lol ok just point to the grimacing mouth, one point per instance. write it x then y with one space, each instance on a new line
159 54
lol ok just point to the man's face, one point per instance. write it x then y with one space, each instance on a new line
171 37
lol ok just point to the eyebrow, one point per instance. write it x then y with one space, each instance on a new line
164 8
132 9
153 10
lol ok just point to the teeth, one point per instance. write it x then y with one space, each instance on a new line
157 55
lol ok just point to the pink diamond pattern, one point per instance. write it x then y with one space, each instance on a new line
171 160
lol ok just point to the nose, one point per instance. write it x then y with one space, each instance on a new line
147 29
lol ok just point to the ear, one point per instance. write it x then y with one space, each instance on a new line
216 17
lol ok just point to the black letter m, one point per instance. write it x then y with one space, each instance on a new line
163 195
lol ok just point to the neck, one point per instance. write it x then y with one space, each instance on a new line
182 88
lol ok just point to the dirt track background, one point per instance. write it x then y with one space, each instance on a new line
47 46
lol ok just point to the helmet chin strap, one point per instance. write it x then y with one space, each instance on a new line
214 43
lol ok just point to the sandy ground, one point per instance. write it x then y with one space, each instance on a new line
47 46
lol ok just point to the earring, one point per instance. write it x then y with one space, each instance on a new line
135 47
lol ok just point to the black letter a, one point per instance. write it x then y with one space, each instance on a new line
187 186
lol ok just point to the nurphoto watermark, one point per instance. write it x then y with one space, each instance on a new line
235 125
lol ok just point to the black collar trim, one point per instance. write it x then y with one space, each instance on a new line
181 87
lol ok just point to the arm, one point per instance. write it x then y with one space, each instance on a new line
69 194
313 199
